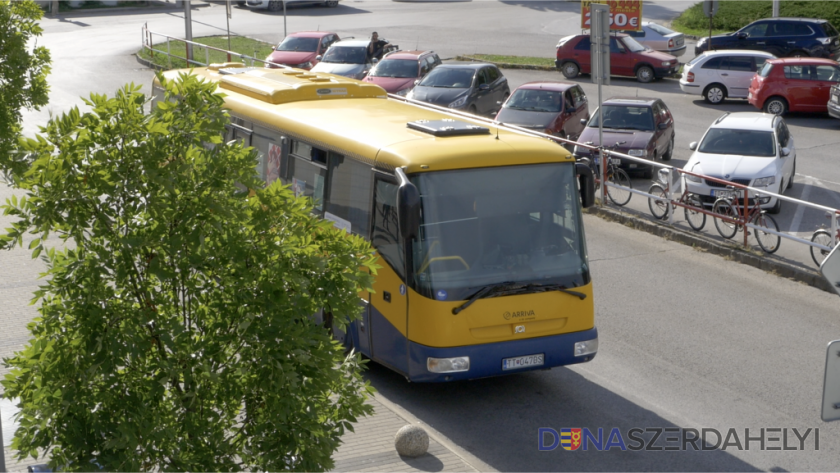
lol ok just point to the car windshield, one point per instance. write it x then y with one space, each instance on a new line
739 142
659 29
395 68
632 44
625 117
346 55
294 43
485 226
449 78
535 100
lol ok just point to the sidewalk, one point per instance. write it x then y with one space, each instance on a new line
371 446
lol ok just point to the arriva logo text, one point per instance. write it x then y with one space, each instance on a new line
518 314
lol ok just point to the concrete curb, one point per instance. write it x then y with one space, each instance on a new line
466 456
533 67
731 252
156 5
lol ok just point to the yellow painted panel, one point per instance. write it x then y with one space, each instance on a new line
388 280
536 327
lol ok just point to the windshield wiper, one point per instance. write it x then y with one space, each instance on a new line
484 292
551 287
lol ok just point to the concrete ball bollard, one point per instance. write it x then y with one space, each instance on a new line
411 441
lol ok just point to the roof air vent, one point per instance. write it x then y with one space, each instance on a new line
447 127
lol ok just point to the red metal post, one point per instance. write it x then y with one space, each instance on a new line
745 211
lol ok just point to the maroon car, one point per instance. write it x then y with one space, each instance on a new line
398 71
627 58
301 50
638 126
556 108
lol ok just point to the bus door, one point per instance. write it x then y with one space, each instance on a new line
389 300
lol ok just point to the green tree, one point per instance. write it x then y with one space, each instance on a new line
23 74
175 328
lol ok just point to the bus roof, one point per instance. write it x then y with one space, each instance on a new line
357 119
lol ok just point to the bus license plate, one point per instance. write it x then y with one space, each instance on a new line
724 194
523 362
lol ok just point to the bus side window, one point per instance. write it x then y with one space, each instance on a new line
269 148
349 192
386 233
308 173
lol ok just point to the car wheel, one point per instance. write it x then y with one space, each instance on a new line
240 3
648 172
799 53
644 74
331 3
714 94
275 5
776 106
570 70
666 156
472 110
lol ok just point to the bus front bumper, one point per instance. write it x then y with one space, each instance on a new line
489 359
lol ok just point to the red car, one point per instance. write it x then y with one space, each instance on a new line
794 84
627 58
556 108
398 71
301 50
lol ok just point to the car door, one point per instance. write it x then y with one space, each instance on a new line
659 141
752 36
483 94
797 86
736 73
710 72
621 61
498 86
581 55
826 76
572 127
785 141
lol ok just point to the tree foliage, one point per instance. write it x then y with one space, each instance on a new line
23 72
175 328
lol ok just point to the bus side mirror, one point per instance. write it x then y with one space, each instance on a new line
586 183
408 206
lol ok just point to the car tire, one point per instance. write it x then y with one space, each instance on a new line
647 173
776 105
792 173
669 153
570 70
275 5
240 3
714 94
778 207
644 74
472 110
799 53
331 3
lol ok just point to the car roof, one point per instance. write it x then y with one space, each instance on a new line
547 85
811 20
739 52
802 60
407 54
746 121
464 65
637 101
352 42
620 35
310 34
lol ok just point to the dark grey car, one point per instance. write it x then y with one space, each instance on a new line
476 88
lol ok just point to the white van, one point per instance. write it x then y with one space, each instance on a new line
717 75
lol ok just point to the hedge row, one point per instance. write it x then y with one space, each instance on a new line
732 15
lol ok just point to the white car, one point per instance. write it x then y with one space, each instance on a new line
277 5
717 75
346 58
748 148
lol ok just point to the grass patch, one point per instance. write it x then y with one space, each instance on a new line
242 45
520 60
733 15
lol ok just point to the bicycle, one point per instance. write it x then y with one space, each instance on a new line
615 176
660 207
729 222
823 237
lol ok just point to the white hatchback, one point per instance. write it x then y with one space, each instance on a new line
717 75
748 148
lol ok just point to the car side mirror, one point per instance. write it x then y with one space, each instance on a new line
663 126
692 146
417 82
274 48
374 60
408 206
742 35
785 152
583 121
318 57
586 184
483 87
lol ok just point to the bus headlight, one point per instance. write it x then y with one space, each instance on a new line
449 365
588 347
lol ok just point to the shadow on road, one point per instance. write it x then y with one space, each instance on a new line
310 11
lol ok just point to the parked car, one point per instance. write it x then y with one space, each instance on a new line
398 71
659 38
794 85
834 102
638 126
717 75
277 5
556 108
346 58
474 87
627 58
301 49
782 37
749 148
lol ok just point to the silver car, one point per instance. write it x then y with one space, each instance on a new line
346 58
659 38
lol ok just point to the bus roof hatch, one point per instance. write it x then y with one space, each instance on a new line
447 127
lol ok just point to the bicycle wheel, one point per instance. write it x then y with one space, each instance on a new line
768 242
695 218
619 197
659 205
823 237
724 208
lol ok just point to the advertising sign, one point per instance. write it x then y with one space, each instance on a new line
625 15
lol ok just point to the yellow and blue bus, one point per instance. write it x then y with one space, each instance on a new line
478 227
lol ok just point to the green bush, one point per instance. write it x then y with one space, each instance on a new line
733 15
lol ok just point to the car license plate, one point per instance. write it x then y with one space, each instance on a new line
615 161
726 194
523 362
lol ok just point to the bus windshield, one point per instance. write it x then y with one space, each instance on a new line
518 224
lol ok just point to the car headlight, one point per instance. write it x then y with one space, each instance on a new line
693 178
764 181
449 365
459 103
403 92
303 65
588 347
666 63
637 152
